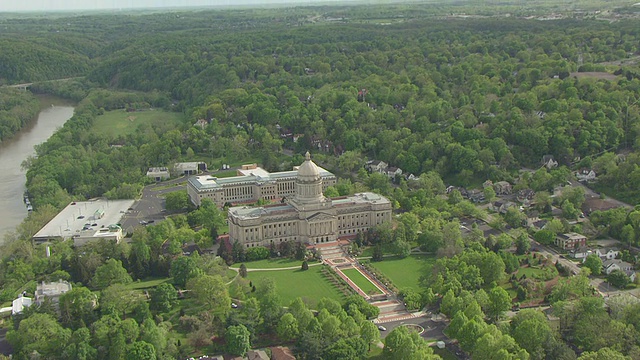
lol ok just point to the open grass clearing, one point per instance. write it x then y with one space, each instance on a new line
406 273
310 285
119 122
271 263
147 283
361 281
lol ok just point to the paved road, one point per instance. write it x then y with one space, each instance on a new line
433 329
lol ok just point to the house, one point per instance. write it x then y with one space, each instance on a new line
376 166
525 195
487 184
189 168
586 175
256 355
549 162
201 123
413 177
607 253
281 353
581 252
158 173
51 291
463 191
20 303
477 197
502 188
538 224
570 240
611 265
392 172
501 207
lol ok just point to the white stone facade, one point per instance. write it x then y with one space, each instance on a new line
251 185
308 216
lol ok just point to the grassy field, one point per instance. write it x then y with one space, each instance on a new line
271 264
363 283
119 122
146 284
405 273
310 285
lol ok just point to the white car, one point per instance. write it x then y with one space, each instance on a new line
382 328
234 305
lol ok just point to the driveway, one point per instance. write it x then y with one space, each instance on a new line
433 329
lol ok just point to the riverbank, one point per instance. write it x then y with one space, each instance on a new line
54 112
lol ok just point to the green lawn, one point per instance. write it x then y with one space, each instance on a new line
529 271
310 285
146 284
271 264
405 273
119 122
444 353
363 283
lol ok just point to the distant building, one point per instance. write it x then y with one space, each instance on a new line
20 304
52 291
502 188
586 175
158 173
376 166
307 216
86 221
392 172
549 162
570 241
608 253
253 183
189 168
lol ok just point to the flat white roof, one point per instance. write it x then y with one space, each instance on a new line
73 218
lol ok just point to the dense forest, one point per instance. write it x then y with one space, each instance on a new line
452 99
17 108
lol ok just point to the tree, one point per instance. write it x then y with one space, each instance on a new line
514 217
499 302
211 292
603 354
593 263
243 270
369 332
183 269
404 344
287 328
522 244
238 340
618 279
530 329
176 200
545 237
77 307
163 297
489 194
305 265
39 333
141 350
112 272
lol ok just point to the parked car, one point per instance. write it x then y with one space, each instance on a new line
382 328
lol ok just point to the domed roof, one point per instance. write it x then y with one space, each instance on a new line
308 170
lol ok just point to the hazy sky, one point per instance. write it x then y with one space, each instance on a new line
55 5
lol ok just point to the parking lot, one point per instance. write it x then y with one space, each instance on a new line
151 206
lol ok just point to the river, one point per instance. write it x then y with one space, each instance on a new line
17 149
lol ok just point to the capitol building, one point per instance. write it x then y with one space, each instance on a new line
306 215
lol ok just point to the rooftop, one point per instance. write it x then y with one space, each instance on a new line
253 175
83 218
